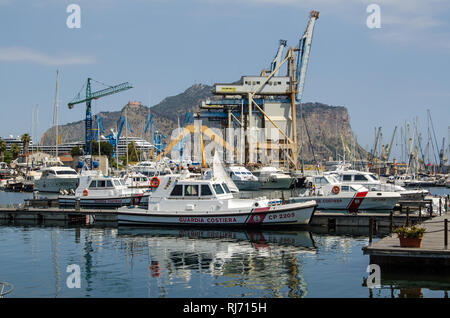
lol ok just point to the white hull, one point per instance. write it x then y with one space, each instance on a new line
106 202
353 202
288 214
56 184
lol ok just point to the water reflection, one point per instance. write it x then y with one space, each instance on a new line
269 262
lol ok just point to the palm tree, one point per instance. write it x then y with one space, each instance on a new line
26 142
2 148
15 150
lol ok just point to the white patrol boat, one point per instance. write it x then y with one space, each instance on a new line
371 182
330 194
189 201
102 192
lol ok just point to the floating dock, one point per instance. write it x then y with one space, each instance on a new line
325 220
432 255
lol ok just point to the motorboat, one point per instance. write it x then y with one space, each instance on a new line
273 178
330 194
209 202
243 178
373 183
56 179
137 180
150 168
102 192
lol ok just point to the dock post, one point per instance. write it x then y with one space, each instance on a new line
407 216
391 221
77 204
420 213
440 206
370 230
446 233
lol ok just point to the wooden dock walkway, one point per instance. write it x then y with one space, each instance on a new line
433 254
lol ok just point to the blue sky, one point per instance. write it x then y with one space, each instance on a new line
384 76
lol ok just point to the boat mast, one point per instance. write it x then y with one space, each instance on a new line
56 115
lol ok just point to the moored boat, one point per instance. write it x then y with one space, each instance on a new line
102 192
243 178
200 202
273 178
331 195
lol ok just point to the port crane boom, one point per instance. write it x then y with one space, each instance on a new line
89 134
304 48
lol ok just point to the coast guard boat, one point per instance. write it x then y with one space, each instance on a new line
209 202
330 194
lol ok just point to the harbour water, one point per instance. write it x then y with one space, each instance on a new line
189 263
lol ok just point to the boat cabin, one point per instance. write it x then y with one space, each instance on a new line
172 187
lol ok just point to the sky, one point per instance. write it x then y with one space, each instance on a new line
385 76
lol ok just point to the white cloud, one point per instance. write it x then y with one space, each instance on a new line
18 54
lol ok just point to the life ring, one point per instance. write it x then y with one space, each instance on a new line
336 189
85 192
154 182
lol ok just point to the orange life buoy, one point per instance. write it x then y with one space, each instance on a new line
336 189
155 182
85 192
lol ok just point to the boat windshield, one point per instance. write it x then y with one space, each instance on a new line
66 172
227 190
218 189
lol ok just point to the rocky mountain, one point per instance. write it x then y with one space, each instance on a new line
319 130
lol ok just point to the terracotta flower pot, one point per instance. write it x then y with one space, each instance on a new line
410 242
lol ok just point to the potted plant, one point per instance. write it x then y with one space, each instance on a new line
410 236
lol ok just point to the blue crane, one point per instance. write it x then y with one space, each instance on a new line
158 137
304 48
113 138
88 97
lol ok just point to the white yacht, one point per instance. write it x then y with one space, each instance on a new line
150 168
371 182
273 178
137 180
200 202
102 192
243 178
330 194
56 178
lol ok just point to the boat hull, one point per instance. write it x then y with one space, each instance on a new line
247 185
355 202
282 215
55 185
100 202
282 183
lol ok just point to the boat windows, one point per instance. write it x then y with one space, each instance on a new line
373 177
227 190
116 182
347 177
360 177
345 188
191 190
205 190
93 185
218 189
177 190
320 180
66 172
101 183
109 184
